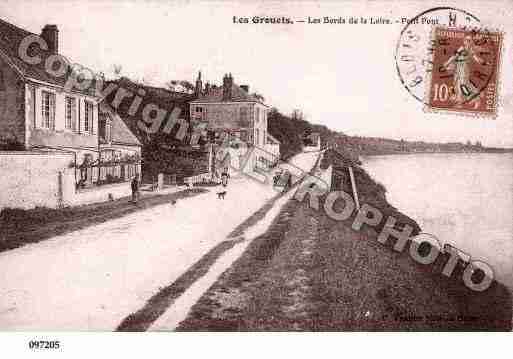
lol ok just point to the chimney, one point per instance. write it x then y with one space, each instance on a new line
227 87
245 88
199 85
50 34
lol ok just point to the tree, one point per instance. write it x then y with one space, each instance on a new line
117 69
182 86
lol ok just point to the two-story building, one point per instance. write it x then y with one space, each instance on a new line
233 109
37 110
45 111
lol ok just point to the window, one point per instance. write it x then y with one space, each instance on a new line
257 114
243 116
88 120
107 131
244 136
71 113
201 113
264 140
257 137
48 110
104 127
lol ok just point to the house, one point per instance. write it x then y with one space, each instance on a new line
120 150
312 142
232 109
37 110
53 151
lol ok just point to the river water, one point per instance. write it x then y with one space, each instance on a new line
465 199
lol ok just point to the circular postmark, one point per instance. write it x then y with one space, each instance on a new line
415 46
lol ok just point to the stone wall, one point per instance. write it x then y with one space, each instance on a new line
99 194
45 179
35 179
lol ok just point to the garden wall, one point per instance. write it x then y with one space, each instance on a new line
32 179
35 179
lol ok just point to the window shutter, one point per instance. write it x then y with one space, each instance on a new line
94 116
52 111
74 116
42 112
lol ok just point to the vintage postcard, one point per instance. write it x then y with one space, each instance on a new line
255 166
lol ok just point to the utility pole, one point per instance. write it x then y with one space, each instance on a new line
353 185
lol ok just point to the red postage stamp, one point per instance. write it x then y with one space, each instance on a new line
465 71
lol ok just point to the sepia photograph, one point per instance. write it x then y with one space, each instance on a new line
254 166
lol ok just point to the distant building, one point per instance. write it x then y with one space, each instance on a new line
313 142
233 109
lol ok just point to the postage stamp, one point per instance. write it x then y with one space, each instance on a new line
465 71
414 50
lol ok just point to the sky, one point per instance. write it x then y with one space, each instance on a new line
342 76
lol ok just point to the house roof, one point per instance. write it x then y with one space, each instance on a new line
164 99
11 37
215 94
120 133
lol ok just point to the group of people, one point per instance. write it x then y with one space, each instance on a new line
135 184
283 179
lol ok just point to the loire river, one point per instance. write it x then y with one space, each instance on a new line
462 199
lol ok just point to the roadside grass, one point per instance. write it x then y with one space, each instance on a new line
19 227
224 306
161 301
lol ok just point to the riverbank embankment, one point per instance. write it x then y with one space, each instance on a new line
310 272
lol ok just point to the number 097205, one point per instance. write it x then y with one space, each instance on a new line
44 344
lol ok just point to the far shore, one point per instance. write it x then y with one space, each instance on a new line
505 151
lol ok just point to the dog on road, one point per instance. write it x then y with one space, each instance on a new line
220 195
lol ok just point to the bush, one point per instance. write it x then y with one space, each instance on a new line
11 145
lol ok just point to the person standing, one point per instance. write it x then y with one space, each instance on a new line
224 177
289 180
135 189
